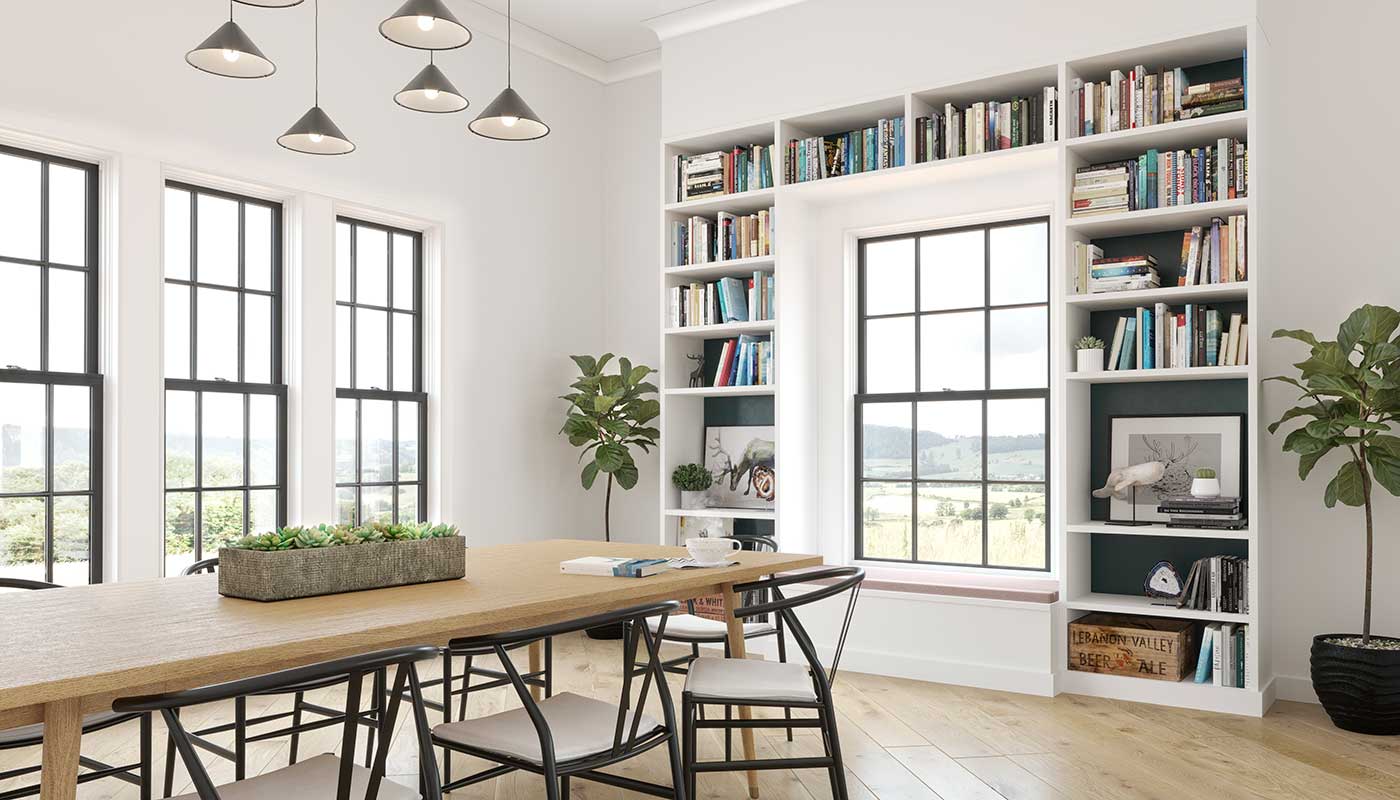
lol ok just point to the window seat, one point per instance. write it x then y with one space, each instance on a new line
1015 588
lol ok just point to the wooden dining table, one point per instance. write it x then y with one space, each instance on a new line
69 652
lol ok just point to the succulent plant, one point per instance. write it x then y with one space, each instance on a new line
1089 343
1205 473
298 537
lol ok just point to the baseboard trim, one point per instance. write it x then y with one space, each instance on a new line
1295 688
957 673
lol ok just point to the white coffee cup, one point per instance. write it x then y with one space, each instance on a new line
709 549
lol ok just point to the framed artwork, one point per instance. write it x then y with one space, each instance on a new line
742 459
1183 444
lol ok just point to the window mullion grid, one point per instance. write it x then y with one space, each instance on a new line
198 543
242 281
194 279
247 462
987 378
917 328
359 465
389 313
394 457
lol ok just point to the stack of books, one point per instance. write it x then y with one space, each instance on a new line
724 300
723 172
1224 657
1194 335
879 146
1189 511
746 361
1095 273
701 240
1214 254
1143 97
614 566
1162 179
1217 583
985 127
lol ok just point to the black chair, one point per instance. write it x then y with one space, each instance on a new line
300 706
33 736
770 684
325 775
569 735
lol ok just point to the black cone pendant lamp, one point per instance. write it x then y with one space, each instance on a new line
430 91
315 133
229 52
425 25
509 117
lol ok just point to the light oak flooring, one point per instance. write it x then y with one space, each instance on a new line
908 740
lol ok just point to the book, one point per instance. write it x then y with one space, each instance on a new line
617 567
1217 660
703 240
1117 343
985 126
720 172
728 299
874 147
1141 97
1160 179
1204 658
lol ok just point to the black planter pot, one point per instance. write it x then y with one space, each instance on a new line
1359 689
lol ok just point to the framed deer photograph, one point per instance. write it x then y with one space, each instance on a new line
1183 444
741 457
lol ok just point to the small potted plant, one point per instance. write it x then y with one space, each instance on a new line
1205 484
1089 350
1351 401
694 481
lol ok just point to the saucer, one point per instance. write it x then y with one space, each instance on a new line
707 564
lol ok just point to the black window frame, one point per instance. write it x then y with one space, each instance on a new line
91 377
416 395
276 387
914 398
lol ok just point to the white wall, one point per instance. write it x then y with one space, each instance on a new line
518 226
631 310
1330 234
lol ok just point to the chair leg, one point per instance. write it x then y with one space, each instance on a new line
673 748
146 757
551 784
240 738
296 725
838 768
782 658
691 756
549 667
170 762
376 708
728 734
564 787
446 712
466 687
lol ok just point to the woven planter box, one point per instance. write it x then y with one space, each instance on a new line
286 574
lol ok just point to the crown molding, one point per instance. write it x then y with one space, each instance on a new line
633 66
484 21
708 15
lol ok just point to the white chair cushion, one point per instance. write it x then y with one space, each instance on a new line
311 779
744 679
36 731
580 727
689 627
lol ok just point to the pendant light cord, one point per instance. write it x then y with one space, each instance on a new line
230 10
507 44
316 48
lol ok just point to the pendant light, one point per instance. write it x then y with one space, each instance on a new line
229 52
315 133
425 25
509 117
430 91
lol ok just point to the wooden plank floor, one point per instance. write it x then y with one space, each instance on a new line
908 740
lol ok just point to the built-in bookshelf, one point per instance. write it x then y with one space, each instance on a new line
1095 562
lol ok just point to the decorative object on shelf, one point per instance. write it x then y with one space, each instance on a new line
694 481
1352 391
509 117
229 52
697 375
607 417
315 133
689 527
431 92
751 480
1163 582
306 562
1205 484
1140 647
1124 480
425 25
1089 354
1182 444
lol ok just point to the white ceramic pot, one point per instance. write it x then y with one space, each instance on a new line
1090 360
691 500
1205 487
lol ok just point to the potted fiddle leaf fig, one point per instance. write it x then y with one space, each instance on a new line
1351 401
608 415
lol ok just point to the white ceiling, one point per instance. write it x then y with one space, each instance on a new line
605 29
607 40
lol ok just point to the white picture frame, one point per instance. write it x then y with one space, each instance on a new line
1184 444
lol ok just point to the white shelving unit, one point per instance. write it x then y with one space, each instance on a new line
1073 531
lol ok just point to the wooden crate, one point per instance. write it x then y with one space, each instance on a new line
1142 647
